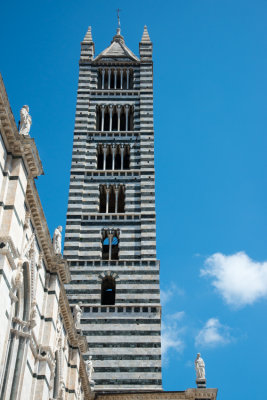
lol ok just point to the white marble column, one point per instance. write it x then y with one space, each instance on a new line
110 240
102 117
116 198
103 78
121 72
119 117
115 79
107 199
104 157
113 156
127 74
122 154
126 116
110 117
109 75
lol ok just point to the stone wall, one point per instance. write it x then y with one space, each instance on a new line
40 348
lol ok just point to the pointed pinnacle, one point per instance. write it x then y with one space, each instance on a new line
145 37
88 37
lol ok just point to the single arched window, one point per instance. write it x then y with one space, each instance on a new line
108 291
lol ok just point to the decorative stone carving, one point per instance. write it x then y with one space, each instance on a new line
33 316
57 237
89 368
200 371
25 121
77 311
17 277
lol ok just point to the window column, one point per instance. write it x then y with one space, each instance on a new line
104 156
113 156
121 72
127 74
122 155
107 199
109 74
110 117
102 117
115 79
103 78
110 240
126 116
116 198
119 117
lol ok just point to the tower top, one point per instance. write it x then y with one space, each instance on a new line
88 37
145 37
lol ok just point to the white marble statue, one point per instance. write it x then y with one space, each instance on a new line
57 237
200 367
25 121
77 311
89 368
17 277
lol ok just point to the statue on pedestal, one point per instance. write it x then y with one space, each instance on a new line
89 368
57 237
77 311
25 121
200 371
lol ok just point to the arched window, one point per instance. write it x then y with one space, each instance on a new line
108 291
118 158
110 244
111 206
106 120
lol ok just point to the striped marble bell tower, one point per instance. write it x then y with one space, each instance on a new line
111 223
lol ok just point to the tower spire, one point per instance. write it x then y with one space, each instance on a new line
119 22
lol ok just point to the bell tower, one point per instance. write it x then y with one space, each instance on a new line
110 239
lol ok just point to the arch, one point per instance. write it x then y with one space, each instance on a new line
106 120
121 200
102 200
115 247
100 158
108 291
118 158
126 158
109 158
105 248
111 205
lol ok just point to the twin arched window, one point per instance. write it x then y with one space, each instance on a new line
110 244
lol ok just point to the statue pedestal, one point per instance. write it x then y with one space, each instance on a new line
92 385
201 383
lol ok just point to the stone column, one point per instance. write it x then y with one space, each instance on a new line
110 239
102 117
113 156
119 117
122 154
109 74
127 74
110 117
116 198
121 71
126 116
103 78
107 199
104 156
115 79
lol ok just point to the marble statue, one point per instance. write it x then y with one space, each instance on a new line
200 367
77 311
57 237
17 278
25 121
89 368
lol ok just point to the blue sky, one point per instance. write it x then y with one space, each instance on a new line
210 151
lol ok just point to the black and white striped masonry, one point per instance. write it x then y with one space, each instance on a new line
110 238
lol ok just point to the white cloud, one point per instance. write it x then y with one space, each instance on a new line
239 279
167 295
171 335
213 334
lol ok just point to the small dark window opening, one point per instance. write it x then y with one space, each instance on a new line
121 200
105 251
100 159
115 122
102 202
99 86
112 80
123 122
124 80
115 248
109 159
118 159
106 121
131 80
108 291
111 208
130 121
126 159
